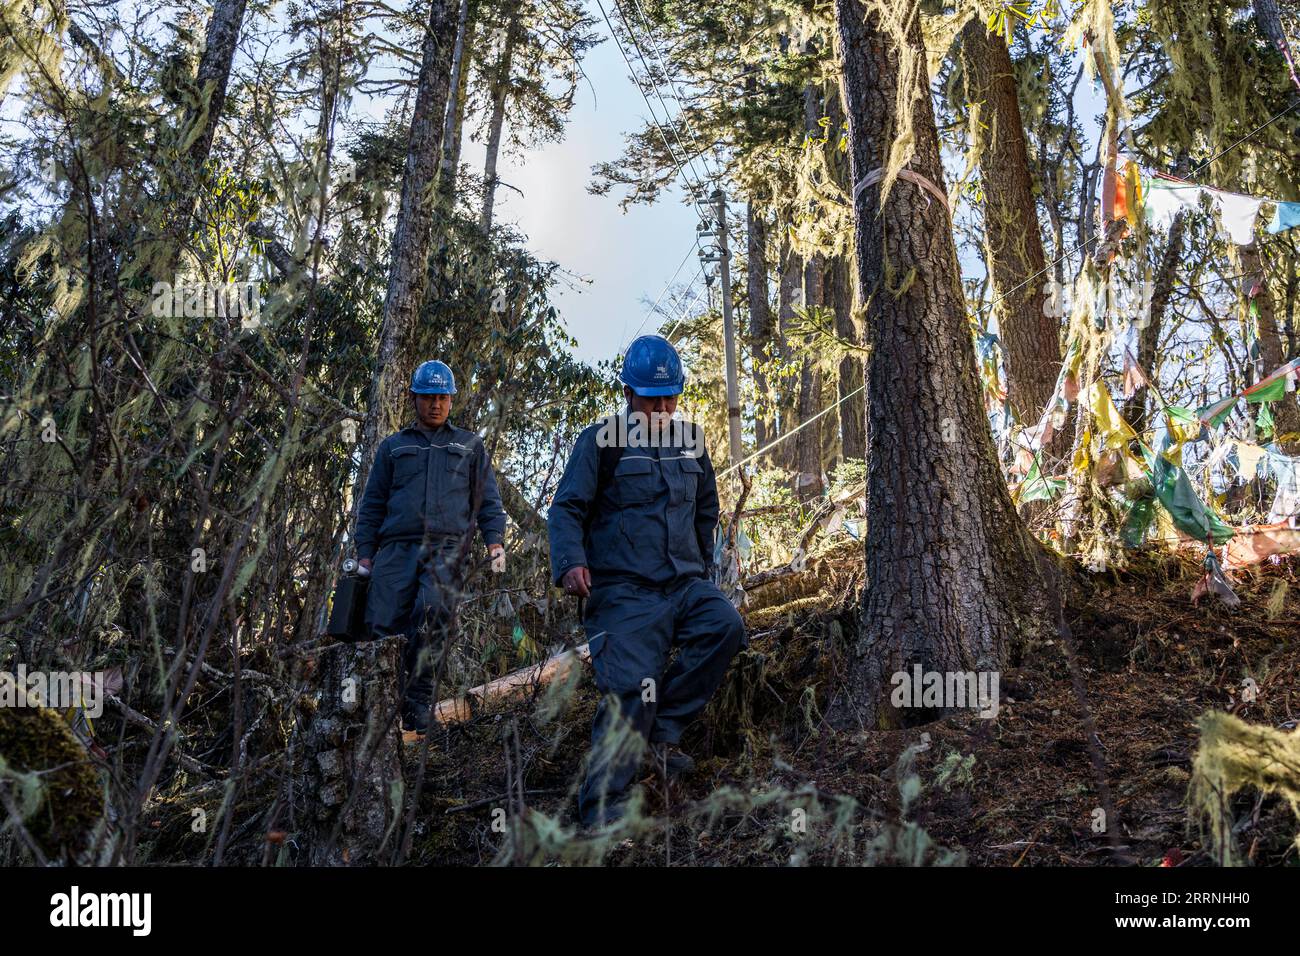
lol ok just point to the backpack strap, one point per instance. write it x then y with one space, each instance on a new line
608 457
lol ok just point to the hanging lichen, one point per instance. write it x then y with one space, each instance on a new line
1234 755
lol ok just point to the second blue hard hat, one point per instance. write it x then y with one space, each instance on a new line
653 367
433 378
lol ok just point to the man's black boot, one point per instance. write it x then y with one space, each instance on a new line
672 759
415 716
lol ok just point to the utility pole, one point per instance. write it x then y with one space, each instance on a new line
728 329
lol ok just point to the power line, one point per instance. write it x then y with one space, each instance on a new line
668 118
662 293
663 65
796 429
698 186
1093 238
685 313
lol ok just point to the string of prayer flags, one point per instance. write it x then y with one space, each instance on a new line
1111 427
1248 458
1238 214
1264 423
1165 198
1138 520
1286 471
1036 487
1257 543
1268 389
1183 423
1162 197
1190 514
1134 377
1121 198
1275 386
1285 216
1216 414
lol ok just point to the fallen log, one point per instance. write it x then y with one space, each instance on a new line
456 710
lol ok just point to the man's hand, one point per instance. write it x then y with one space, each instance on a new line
498 553
577 581
367 563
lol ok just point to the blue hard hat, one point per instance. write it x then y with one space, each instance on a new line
652 367
433 378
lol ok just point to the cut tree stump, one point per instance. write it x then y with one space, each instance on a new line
352 756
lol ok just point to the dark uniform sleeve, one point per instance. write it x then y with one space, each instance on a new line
491 515
568 512
706 508
374 503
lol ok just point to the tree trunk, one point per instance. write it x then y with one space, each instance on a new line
1286 413
853 410
359 768
953 576
352 755
198 129
788 289
1269 21
760 316
1135 409
408 273
807 444
500 94
1013 244
212 79
460 60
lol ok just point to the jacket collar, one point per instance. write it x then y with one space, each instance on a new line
446 426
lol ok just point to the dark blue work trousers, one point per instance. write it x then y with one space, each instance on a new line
414 589
632 631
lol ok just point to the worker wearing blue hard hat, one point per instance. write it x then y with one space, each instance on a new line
632 528
428 483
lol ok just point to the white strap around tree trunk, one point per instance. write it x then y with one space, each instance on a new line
911 176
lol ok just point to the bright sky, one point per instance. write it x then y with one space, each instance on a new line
627 258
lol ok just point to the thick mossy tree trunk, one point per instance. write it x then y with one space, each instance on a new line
954 581
1013 244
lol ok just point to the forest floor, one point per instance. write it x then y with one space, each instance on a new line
774 785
